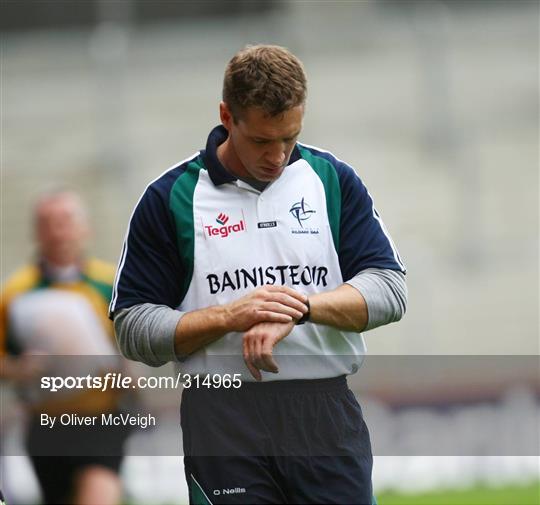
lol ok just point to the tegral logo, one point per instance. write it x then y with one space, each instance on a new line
224 230
222 218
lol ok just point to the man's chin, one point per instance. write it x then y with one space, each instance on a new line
269 175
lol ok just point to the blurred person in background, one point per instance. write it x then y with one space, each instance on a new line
54 321
259 247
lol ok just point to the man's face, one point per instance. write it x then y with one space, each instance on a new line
259 145
61 229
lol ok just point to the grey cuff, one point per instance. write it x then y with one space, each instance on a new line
145 333
385 293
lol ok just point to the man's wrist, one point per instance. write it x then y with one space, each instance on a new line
224 318
307 315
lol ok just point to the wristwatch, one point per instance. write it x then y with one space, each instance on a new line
305 317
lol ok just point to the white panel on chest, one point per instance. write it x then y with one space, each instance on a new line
236 226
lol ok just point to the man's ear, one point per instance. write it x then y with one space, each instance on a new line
225 115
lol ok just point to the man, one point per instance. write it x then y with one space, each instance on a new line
261 256
57 306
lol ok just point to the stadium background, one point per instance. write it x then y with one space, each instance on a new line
434 103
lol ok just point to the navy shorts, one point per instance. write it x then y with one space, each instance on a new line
301 441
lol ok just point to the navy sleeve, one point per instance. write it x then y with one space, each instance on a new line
150 269
363 239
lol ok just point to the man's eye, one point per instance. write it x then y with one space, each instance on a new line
260 141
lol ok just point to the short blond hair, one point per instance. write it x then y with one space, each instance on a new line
264 76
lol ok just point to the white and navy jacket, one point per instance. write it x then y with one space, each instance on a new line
200 237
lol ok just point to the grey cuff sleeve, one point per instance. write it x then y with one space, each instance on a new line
146 332
385 293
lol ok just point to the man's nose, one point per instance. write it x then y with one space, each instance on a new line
58 231
276 156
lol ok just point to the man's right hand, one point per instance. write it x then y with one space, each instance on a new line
273 304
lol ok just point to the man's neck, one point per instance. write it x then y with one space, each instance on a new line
254 183
224 157
61 273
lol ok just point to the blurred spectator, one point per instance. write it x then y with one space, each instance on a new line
54 320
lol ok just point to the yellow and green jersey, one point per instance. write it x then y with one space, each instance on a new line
93 282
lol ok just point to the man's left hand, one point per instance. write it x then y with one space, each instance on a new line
258 344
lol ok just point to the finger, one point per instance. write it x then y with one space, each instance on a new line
282 309
250 353
288 300
254 371
256 357
249 344
256 352
245 350
287 290
273 317
247 359
269 364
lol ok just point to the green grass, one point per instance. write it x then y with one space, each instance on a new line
508 495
